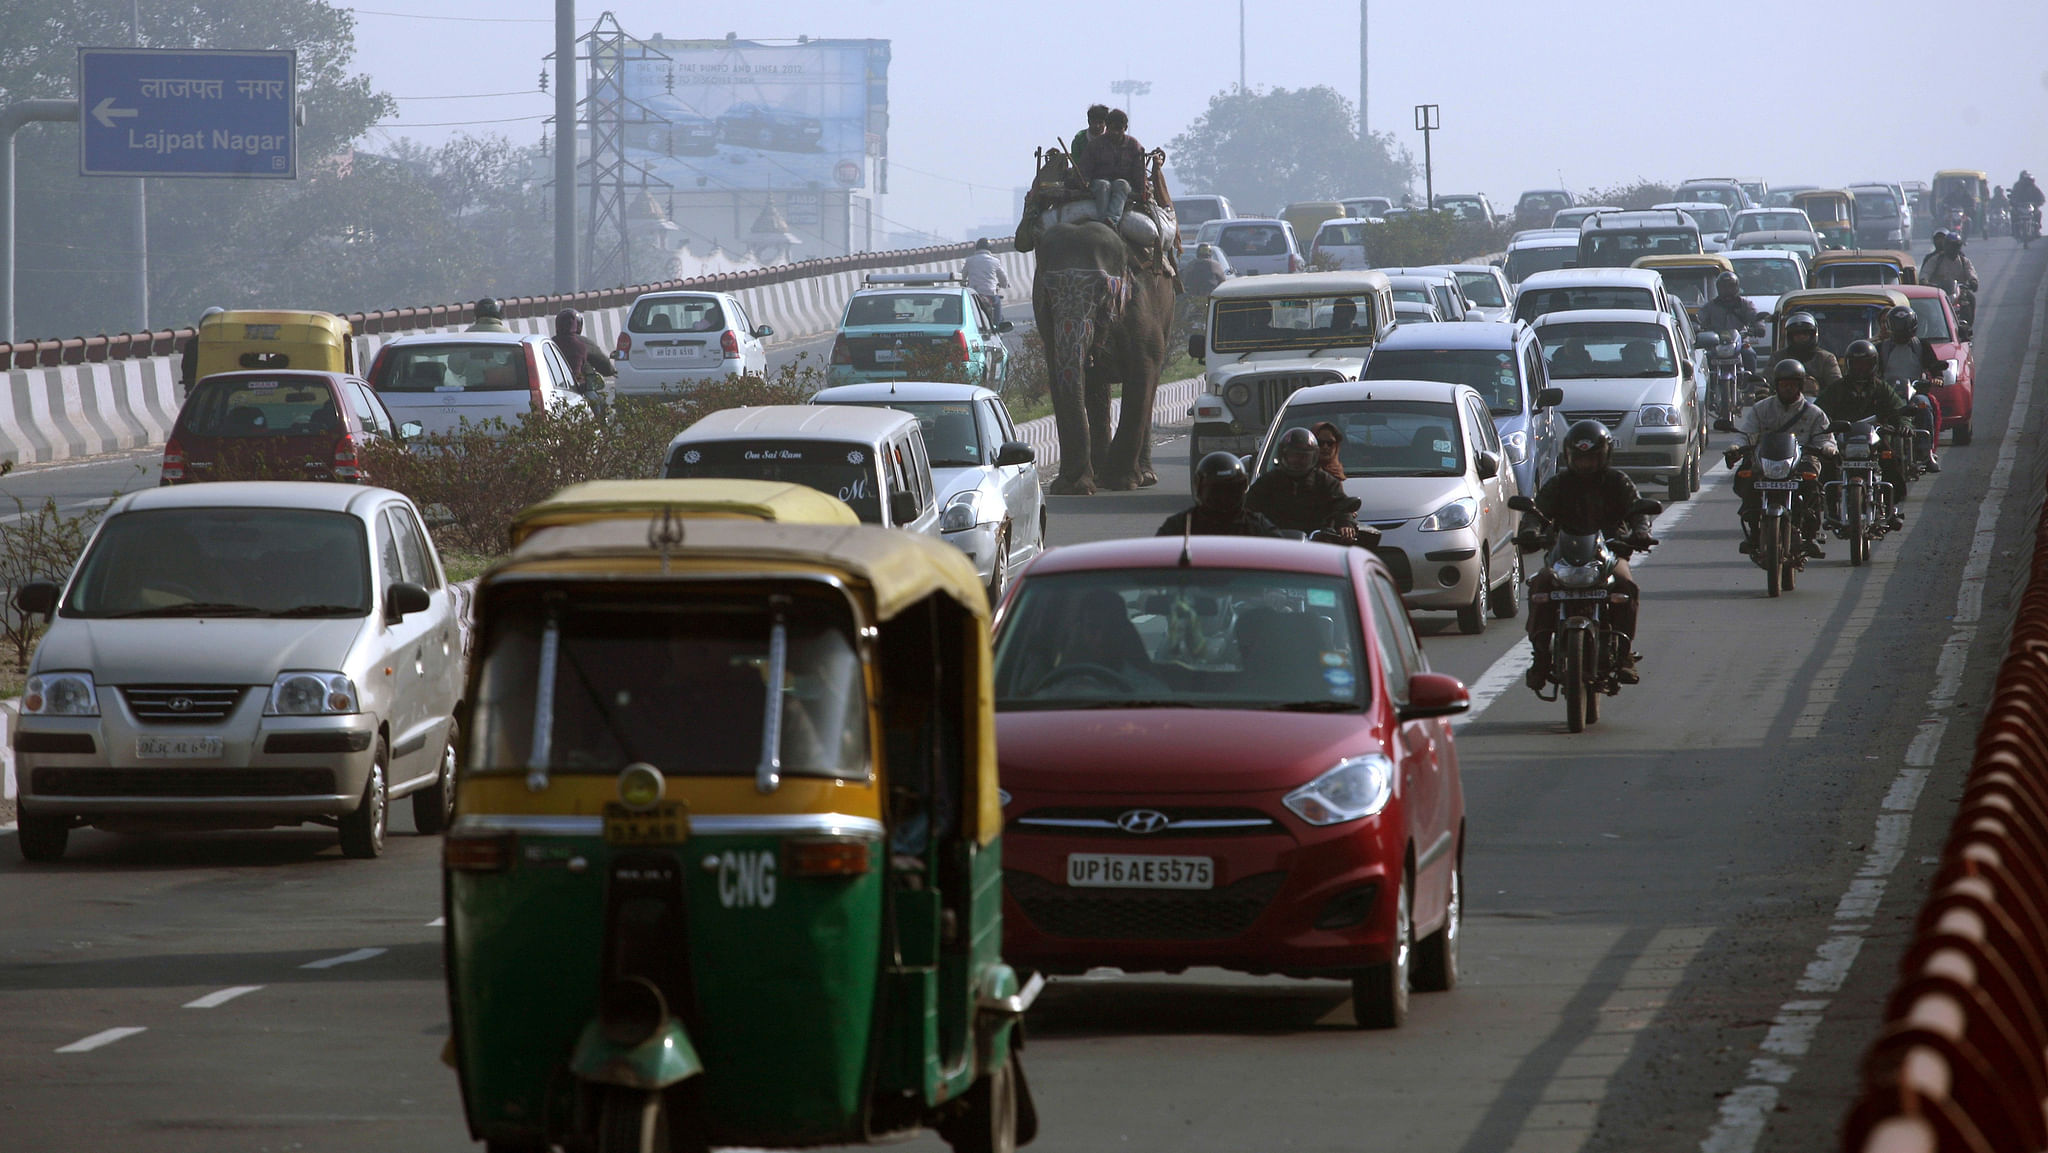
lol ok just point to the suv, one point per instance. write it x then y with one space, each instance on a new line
1255 247
915 325
1192 212
1617 239
1467 206
1539 206
1502 363
1714 221
672 340
277 426
1271 335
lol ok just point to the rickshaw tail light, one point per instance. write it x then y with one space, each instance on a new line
828 858
730 343
486 853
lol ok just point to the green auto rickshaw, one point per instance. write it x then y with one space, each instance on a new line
725 867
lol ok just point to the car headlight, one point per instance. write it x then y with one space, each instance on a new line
303 694
1457 514
1658 416
1357 787
1517 444
1239 394
1576 576
1777 469
61 695
964 513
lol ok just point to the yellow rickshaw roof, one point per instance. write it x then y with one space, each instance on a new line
1686 260
302 323
1792 302
636 500
1962 173
1817 193
1902 260
900 568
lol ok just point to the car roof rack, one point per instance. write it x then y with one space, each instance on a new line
911 278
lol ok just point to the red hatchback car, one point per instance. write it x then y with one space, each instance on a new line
1228 752
1950 337
277 426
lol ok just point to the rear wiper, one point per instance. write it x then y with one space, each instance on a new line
320 611
192 609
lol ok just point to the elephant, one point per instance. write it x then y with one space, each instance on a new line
1104 319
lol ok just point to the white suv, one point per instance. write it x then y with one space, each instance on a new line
672 340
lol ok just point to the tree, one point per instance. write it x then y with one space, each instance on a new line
1268 147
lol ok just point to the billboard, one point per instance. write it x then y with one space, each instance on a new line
741 115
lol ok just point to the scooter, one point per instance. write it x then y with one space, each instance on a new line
1585 651
1861 507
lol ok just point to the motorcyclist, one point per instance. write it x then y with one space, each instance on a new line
1300 495
1903 356
1200 276
2025 193
1220 484
1802 343
1730 311
588 364
1585 496
1946 266
490 316
986 278
1862 394
1787 409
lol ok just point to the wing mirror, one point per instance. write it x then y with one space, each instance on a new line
1707 341
1964 331
1005 326
403 599
1197 343
903 508
1487 465
1015 452
1521 503
1435 695
1645 507
411 430
1550 398
37 599
763 331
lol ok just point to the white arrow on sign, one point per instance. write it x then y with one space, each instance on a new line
105 112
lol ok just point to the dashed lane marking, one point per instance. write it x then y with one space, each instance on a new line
344 959
438 923
216 999
102 1038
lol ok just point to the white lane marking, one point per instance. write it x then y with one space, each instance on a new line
103 1037
438 923
344 959
217 999
1506 672
1746 1111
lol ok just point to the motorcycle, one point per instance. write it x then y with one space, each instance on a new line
2026 224
1861 507
1776 468
1962 298
1724 373
1959 222
1927 425
1585 652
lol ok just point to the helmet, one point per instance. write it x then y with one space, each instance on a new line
1940 237
1789 369
1728 284
1903 323
1801 322
1588 436
981 245
1220 481
1298 452
568 322
488 306
1860 352
2025 175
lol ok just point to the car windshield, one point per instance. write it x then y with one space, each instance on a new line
1384 437
840 468
1607 350
453 367
1768 277
1692 286
1712 195
244 408
1621 249
1481 289
951 435
1193 212
1933 320
1709 219
1350 235
1253 240
1490 372
1533 303
1771 222
1524 263
1844 324
257 562
677 314
1877 205
1190 638
1292 322
676 682
887 308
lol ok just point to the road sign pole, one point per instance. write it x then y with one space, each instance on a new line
141 197
12 117
1427 122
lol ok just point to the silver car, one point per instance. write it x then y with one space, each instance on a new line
444 379
1629 370
243 656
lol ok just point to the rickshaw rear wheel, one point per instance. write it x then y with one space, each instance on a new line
989 1124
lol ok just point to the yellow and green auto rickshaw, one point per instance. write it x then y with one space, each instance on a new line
241 339
1964 190
684 910
1833 212
1843 315
1689 276
762 500
1851 267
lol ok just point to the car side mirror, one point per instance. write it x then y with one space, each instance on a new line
1197 349
1707 341
411 430
1487 465
1521 503
763 331
1964 330
1550 398
1005 326
903 508
1015 452
403 599
1435 695
37 599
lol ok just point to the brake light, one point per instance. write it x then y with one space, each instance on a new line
1744 474
348 466
960 345
625 348
474 853
730 342
841 354
174 460
1293 263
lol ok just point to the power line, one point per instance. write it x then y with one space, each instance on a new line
456 123
475 95
456 19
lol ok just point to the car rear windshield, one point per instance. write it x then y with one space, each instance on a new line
1524 263
904 308
1851 275
1481 289
1844 324
1189 638
1298 322
1768 277
254 562
283 406
1876 206
1193 212
1772 222
1544 201
951 434
841 468
1619 349
677 314
1621 249
1252 240
1348 235
1533 303
1490 372
453 367
1384 437
1462 207
1710 194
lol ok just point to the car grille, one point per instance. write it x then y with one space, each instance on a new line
1270 392
184 782
1102 822
181 704
1611 417
1396 561
1142 914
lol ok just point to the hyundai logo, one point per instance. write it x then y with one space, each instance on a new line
1142 821
179 704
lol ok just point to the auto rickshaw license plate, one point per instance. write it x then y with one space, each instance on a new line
664 824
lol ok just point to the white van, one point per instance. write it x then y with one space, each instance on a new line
874 459
1340 244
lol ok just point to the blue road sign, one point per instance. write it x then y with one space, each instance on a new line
188 112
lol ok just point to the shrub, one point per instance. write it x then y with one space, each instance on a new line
1431 238
41 544
1634 196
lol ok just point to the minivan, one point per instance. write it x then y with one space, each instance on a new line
1340 244
1617 239
874 459
1258 247
1192 212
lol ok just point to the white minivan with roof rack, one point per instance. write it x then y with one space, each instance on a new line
874 459
673 340
1191 212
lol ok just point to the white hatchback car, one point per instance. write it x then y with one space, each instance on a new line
243 656
1340 245
672 340
443 379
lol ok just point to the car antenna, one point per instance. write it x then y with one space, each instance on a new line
665 534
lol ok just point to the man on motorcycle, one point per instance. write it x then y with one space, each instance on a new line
1787 409
1862 394
1802 343
1299 494
1729 311
1586 496
1947 267
1903 356
2025 193
1220 483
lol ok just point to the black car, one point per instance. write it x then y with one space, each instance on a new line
759 126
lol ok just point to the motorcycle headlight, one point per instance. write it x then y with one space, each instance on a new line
61 695
1517 444
1777 469
1358 787
311 694
963 513
1576 576
1658 416
1457 514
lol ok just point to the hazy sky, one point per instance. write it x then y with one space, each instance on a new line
1601 91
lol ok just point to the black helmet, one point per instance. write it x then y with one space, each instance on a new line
1588 436
1297 452
1789 369
1860 352
568 322
1903 323
488 306
1220 482
1728 284
1802 322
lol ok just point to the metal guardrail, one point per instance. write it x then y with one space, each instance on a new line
163 342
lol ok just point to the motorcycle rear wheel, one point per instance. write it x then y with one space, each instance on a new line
1571 676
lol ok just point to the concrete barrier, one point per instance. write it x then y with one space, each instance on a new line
1169 407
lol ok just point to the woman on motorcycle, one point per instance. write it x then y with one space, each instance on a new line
1586 497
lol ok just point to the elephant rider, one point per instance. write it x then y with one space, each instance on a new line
1730 311
1301 496
1098 123
1787 409
1586 496
1862 394
1903 356
1220 484
490 316
1114 166
1802 343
